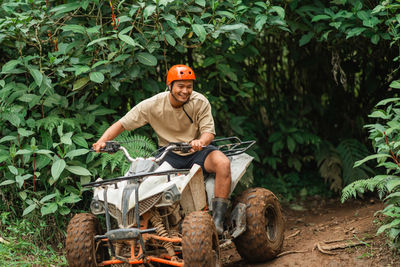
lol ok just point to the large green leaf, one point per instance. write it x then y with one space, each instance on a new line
57 168
48 197
13 170
225 14
74 28
260 21
149 10
23 152
127 39
10 65
375 156
14 119
80 83
96 77
37 75
99 63
147 59
305 39
29 98
49 208
201 2
77 152
320 17
8 138
102 39
71 199
279 10
170 39
66 138
81 69
60 9
382 102
170 18
43 151
24 132
29 209
393 183
199 31
78 170
355 32
7 182
79 140
395 84
180 31
20 180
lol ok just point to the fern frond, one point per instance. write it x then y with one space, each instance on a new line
49 123
350 151
137 146
353 189
360 186
329 165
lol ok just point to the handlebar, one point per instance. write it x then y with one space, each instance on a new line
114 146
230 146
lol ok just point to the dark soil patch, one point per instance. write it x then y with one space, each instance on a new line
330 220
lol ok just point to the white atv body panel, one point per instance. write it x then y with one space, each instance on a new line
151 186
193 193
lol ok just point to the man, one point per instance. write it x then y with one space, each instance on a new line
181 115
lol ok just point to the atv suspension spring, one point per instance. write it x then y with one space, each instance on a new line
157 222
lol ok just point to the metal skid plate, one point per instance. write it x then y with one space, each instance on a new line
238 220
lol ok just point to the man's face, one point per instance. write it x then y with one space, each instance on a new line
182 90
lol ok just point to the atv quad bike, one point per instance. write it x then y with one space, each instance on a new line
162 215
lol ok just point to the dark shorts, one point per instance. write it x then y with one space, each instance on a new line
186 162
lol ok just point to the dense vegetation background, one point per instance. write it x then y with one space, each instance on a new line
300 77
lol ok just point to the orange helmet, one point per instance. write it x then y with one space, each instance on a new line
180 72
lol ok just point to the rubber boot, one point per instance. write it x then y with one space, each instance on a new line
220 205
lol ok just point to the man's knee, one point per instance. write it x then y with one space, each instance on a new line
223 164
218 162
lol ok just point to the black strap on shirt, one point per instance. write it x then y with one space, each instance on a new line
183 107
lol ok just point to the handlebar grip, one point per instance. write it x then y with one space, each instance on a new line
111 147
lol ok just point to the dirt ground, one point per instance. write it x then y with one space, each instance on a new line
317 220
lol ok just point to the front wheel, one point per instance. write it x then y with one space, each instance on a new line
200 245
80 246
264 233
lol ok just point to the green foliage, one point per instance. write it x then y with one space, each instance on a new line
20 246
350 151
294 76
69 69
336 164
385 138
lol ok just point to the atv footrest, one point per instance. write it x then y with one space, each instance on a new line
124 234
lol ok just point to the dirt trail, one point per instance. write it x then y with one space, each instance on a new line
321 221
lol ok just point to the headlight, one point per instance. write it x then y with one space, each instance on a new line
96 207
170 196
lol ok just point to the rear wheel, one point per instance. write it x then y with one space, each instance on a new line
264 233
80 245
200 245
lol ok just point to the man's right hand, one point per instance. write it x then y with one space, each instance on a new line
99 145
112 132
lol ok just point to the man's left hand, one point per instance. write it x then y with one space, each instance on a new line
197 145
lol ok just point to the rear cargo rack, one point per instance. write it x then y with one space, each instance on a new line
232 146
